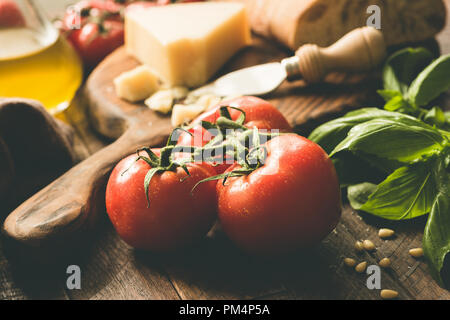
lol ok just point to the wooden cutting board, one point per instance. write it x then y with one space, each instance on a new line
73 201
299 102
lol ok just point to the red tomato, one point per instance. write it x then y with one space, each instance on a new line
94 28
93 44
174 218
259 113
10 15
291 202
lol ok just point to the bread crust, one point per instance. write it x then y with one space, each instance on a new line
296 22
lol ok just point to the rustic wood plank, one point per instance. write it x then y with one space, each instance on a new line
76 116
215 269
318 273
321 274
110 270
407 275
21 280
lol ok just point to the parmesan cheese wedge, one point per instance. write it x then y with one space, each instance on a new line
137 84
185 44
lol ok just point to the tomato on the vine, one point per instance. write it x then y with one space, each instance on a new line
279 196
172 216
94 41
95 27
290 202
258 113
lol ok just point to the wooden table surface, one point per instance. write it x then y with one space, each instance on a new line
215 269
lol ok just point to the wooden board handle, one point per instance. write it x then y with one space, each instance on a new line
359 50
74 200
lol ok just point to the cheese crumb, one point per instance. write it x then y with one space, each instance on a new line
185 113
136 84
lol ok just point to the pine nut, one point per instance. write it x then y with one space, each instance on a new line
349 262
361 267
368 245
416 252
385 263
359 246
385 233
388 294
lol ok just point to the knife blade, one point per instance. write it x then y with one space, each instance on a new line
256 80
359 50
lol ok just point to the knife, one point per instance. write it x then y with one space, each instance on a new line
359 50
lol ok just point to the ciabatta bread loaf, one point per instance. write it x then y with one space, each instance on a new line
296 22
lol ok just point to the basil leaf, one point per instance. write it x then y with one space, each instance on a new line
330 134
435 117
388 95
358 194
403 66
399 104
404 140
407 193
431 82
396 102
436 237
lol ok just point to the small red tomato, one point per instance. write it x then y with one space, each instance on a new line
291 202
10 15
173 217
95 29
259 113
94 41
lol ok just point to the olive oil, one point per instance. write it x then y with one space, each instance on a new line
36 67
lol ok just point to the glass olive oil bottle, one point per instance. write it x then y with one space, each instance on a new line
36 62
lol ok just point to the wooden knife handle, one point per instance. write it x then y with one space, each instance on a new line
73 201
359 50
